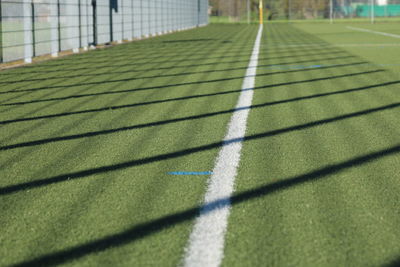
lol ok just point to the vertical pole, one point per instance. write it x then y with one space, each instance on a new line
54 29
248 11
59 25
33 29
28 43
80 23
261 10
331 11
289 10
110 14
94 6
87 23
372 12
1 35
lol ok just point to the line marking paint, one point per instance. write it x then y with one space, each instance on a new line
338 45
206 242
370 31
299 67
190 173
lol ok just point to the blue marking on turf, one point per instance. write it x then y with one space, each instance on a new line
190 173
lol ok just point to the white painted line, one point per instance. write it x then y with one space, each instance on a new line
206 242
367 45
369 31
341 45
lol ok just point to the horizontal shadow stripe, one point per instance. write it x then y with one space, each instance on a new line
128 164
160 76
208 81
158 123
146 229
176 66
191 97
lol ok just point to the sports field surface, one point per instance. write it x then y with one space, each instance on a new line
106 156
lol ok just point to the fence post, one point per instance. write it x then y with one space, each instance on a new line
33 29
28 43
122 20
198 13
1 35
53 29
87 24
94 6
110 14
59 25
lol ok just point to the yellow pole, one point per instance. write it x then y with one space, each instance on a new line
261 11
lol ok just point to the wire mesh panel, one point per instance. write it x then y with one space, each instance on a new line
203 12
69 24
159 17
86 23
116 21
14 15
44 14
145 11
127 19
137 19
152 16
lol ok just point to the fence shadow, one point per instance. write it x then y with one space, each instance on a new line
145 229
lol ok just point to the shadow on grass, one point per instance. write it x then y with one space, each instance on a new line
202 82
128 164
197 96
394 263
145 229
194 97
190 40
165 75
87 68
176 120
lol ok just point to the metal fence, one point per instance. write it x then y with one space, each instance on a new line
30 28
330 10
336 9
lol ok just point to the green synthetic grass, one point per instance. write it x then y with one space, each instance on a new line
318 183
87 142
254 19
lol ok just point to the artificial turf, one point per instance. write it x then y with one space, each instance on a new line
318 183
88 143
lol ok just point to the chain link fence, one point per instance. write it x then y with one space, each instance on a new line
247 10
30 28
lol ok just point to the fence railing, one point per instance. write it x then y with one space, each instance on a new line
30 28
291 10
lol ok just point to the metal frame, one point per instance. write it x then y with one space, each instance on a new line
1 34
91 27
